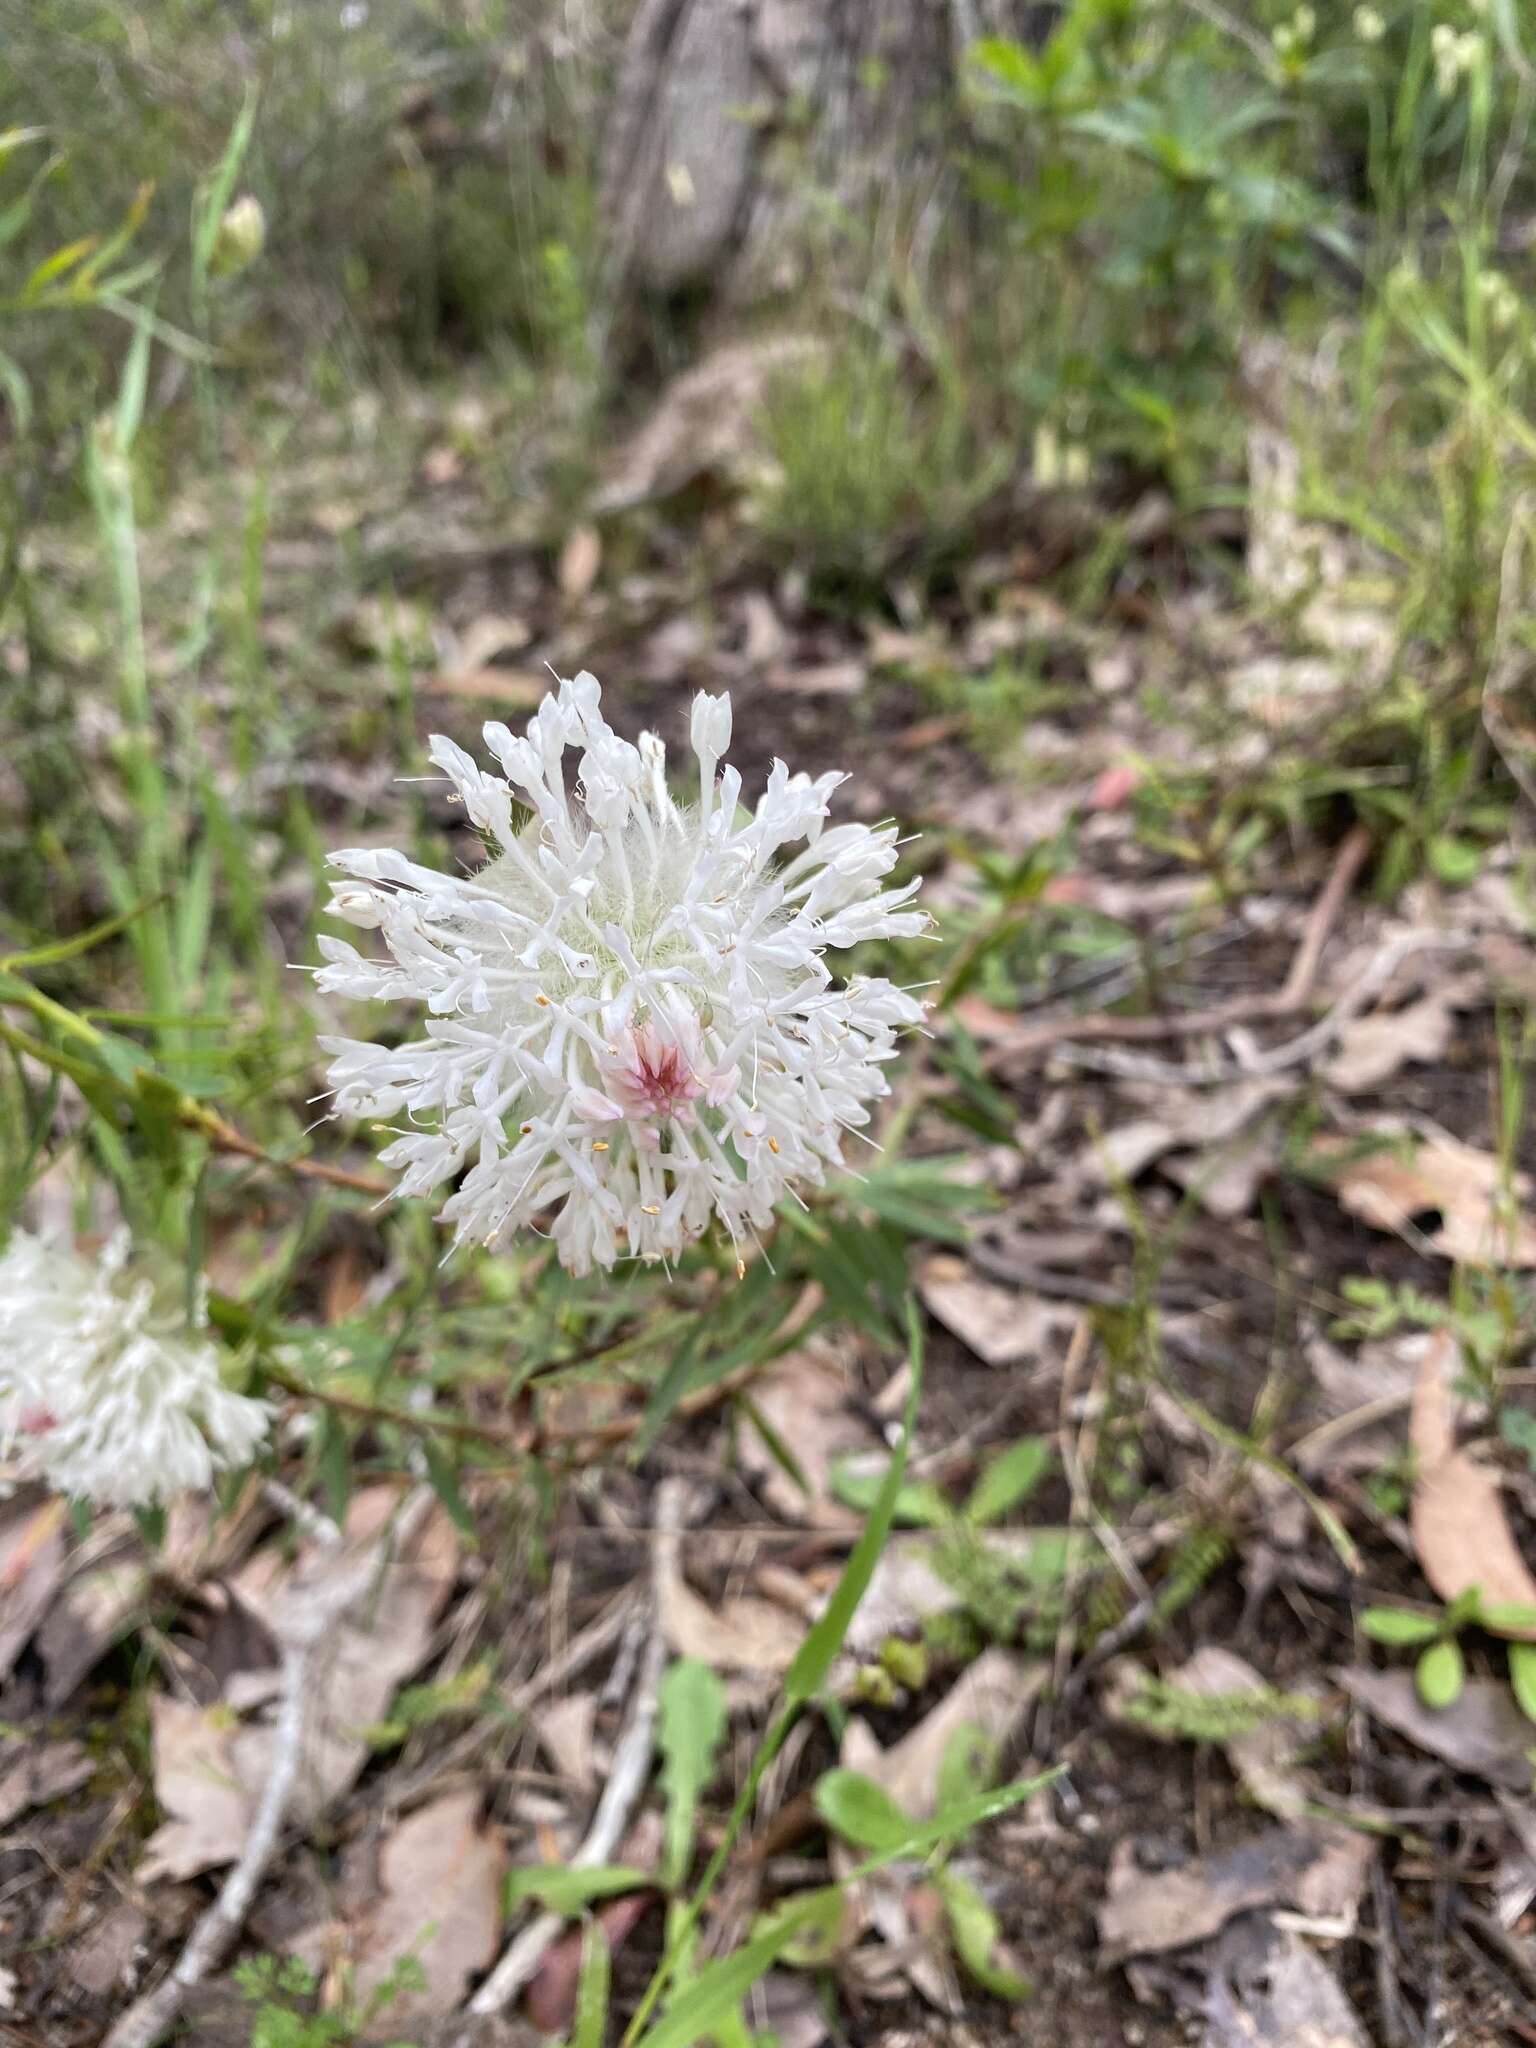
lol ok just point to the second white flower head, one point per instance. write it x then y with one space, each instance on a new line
632 1026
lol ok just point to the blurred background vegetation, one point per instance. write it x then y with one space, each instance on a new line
349 351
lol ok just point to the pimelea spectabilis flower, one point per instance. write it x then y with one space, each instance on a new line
631 1027
105 1392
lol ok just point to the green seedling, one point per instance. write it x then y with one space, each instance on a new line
1440 1667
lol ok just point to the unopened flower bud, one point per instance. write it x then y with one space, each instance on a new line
241 237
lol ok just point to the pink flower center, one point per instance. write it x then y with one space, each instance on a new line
653 1078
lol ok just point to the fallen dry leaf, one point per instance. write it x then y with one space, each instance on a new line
96 1607
742 1633
907 1588
550 2000
565 1732
438 1901
1001 1325
1510 965
819 679
991 1696
36 1773
803 1398
521 689
1444 1178
704 422
488 637
105 1957
31 1567
1485 1733
738 1634
1261 1986
197 1788
580 559
764 638
1226 1180
1460 1531
1318 1870
1371 1049
1234 1146
215 1766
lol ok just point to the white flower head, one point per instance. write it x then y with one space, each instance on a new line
1370 24
631 1024
106 1393
1455 56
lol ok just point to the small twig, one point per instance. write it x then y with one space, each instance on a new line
223 1134
1074 1464
424 1421
1276 1058
316 1524
151 2017
584 1648
1283 1002
1389 1994
627 1780
305 1628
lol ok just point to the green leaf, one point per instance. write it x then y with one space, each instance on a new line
1009 1480
18 392
1517 1426
1522 1676
1441 1673
213 201
967 1769
55 266
1455 861
691 1727
1507 1617
719 1988
822 1938
1009 63
861 1811
974 1930
130 397
919 1503
590 2026
445 1484
563 1890
1395 1625
813 1660
333 1464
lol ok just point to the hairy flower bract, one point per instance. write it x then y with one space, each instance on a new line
105 1392
631 1026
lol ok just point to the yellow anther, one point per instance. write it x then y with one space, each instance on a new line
601 1145
741 1269
524 1130
542 1001
773 1147
650 1208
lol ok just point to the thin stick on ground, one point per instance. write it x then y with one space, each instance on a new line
151 2017
1285 1001
621 1795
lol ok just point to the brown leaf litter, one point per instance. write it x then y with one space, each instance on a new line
1264 1757
1460 1531
1442 1178
210 1766
436 1899
1485 1734
1319 1871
